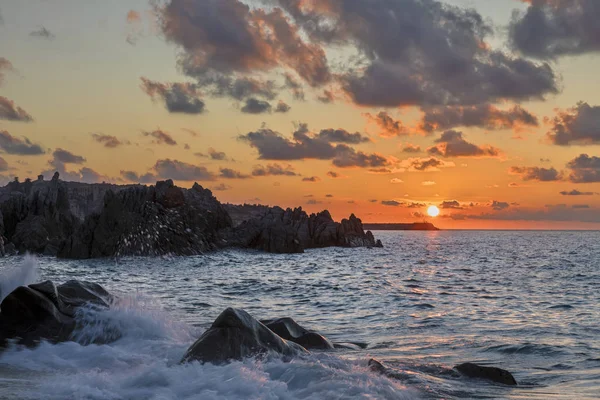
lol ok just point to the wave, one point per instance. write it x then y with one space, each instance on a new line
22 274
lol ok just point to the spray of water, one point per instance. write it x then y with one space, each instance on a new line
22 274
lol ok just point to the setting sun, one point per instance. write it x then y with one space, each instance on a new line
433 211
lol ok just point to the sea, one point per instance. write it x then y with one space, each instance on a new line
525 301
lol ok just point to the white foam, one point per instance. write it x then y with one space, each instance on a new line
23 274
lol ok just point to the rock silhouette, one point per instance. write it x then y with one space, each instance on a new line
493 374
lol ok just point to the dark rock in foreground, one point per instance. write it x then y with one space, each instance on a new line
289 329
236 335
493 374
43 311
292 231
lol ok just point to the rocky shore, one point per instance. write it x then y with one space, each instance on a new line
79 221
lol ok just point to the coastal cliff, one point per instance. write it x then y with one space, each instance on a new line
79 221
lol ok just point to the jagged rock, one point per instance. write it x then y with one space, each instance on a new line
493 374
289 329
236 335
292 231
43 311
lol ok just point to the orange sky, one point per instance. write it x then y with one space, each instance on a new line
499 129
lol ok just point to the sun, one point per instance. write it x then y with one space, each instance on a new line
433 211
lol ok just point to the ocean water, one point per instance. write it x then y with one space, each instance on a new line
528 302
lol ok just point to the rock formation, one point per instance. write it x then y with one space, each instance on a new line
43 311
77 220
236 335
290 330
493 374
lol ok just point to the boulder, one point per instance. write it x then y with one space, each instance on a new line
236 335
493 374
44 311
289 329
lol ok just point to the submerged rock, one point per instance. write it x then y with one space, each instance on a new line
44 311
235 335
289 329
493 374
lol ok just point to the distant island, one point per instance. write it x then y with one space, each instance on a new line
415 226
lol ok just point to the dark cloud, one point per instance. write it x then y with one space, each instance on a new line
10 112
282 107
132 176
213 155
178 97
578 125
5 65
229 173
484 116
108 140
426 164
221 187
23 147
304 145
388 126
576 192
452 144
161 137
329 195
294 86
553 28
255 106
311 179
66 157
451 204
391 203
411 148
333 174
584 169
499 205
273 170
182 171
313 201
326 97
537 173
43 33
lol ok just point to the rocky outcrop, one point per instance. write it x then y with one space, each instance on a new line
493 374
236 335
43 311
293 231
150 220
290 330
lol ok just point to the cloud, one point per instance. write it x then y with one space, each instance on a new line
536 173
213 154
66 157
388 126
391 203
427 164
452 144
108 141
411 148
3 165
484 116
178 97
132 176
229 173
10 112
295 87
578 125
221 187
554 28
43 33
5 65
161 137
499 205
311 179
62 158
451 204
182 171
576 192
327 97
273 170
334 175
23 147
255 106
584 169
396 180
428 183
313 201
282 107
304 145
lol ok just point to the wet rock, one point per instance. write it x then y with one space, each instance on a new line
236 335
43 311
289 329
493 374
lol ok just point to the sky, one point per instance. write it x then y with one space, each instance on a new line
489 110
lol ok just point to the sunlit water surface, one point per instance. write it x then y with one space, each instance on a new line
528 302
